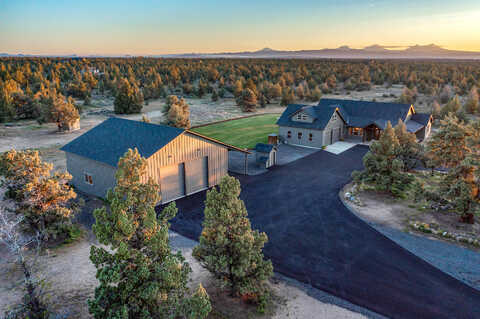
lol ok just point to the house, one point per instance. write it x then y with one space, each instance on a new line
182 162
333 120
265 155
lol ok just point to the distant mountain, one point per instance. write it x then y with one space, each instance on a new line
376 51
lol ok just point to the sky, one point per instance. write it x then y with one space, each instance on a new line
144 27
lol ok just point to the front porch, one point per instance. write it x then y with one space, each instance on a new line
363 135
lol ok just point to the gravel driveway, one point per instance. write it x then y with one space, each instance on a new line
315 239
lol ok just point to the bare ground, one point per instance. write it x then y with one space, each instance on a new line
385 210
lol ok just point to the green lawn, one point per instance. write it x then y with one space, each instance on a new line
244 133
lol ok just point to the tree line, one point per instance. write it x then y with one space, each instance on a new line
253 82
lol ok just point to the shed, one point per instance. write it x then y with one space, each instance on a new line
180 161
266 155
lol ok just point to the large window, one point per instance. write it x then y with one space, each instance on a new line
299 135
289 134
310 137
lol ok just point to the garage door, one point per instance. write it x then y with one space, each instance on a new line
336 134
196 172
173 182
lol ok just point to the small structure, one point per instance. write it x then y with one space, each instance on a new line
181 162
273 139
266 154
333 120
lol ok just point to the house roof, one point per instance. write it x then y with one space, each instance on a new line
263 148
354 113
112 138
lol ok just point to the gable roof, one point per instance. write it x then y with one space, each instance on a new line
354 113
112 138
263 148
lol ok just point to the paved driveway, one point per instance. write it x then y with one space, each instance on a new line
315 239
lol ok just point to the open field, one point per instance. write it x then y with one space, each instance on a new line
245 132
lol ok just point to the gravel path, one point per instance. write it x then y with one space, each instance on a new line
461 263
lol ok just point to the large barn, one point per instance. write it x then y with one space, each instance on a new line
182 162
333 120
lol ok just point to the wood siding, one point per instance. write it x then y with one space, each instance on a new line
185 148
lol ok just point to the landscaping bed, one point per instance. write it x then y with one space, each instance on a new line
422 216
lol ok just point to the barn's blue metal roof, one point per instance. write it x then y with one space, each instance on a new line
354 113
111 139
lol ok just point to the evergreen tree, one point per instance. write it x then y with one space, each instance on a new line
140 277
228 247
248 101
409 150
129 98
214 96
177 112
453 106
288 97
449 146
460 186
471 106
436 110
383 168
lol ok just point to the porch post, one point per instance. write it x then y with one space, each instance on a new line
246 164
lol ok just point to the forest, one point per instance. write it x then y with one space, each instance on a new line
48 89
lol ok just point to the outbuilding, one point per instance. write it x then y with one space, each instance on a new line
266 155
180 161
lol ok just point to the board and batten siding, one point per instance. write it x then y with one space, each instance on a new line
103 175
188 147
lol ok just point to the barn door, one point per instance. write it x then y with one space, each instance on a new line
196 172
173 182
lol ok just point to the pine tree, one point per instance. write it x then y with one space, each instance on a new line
409 150
288 97
140 277
177 112
436 110
449 146
129 98
460 186
453 106
248 101
228 247
383 168
471 106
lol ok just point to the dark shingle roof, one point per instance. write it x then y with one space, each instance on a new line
109 140
355 113
263 148
421 118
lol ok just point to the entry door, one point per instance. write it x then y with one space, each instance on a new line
196 175
173 182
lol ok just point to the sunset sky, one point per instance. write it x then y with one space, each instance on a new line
182 26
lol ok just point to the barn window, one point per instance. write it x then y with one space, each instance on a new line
88 179
299 135
310 137
289 134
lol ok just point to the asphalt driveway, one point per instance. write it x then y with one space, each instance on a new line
315 239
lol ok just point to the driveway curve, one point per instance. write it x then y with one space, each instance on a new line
315 239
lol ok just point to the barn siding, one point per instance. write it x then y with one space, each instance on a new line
187 147
103 175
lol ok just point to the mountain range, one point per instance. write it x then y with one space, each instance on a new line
430 51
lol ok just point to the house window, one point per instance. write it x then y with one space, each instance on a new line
299 116
289 134
310 137
88 179
299 135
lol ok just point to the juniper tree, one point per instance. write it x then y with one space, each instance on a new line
383 168
129 98
139 275
471 106
177 112
449 146
288 96
228 247
460 185
409 150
